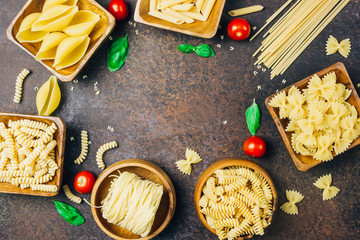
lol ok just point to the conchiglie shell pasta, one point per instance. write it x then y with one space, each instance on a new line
49 45
70 51
50 3
25 33
82 23
56 18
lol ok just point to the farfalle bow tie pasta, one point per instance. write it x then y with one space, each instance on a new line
293 197
324 182
332 46
192 157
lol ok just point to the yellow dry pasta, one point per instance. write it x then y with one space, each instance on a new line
19 84
100 152
324 183
84 147
44 187
293 198
192 157
70 195
246 10
332 46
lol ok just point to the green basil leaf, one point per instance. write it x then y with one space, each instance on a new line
69 213
117 53
186 48
253 118
204 50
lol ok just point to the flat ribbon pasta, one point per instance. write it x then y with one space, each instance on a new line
49 45
332 46
25 33
82 23
192 157
324 182
293 197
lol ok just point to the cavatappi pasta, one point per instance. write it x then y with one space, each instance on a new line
321 119
237 201
63 30
132 203
27 154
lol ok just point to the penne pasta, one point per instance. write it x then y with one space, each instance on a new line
166 17
153 4
169 3
182 7
246 10
179 15
208 6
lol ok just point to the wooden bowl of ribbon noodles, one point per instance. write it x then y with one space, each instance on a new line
235 199
133 199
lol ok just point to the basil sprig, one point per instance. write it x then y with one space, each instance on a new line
69 213
117 53
202 50
253 117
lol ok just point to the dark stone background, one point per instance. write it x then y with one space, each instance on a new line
163 101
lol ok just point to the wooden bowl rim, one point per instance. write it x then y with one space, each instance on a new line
88 54
61 150
297 162
227 162
152 167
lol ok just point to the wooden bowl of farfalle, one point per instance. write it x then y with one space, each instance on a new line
235 199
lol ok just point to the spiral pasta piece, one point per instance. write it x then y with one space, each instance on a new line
19 84
44 187
84 147
101 151
70 195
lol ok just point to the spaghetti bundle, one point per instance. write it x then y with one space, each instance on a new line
294 31
132 203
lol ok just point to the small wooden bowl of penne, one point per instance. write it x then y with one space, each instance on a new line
199 18
317 117
31 154
111 187
235 199
61 34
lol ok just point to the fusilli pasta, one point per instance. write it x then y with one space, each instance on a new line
70 195
19 84
101 151
84 147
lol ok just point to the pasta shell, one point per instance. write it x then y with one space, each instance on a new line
82 23
49 45
70 51
48 97
56 18
25 33
50 3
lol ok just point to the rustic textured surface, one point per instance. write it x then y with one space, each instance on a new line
163 101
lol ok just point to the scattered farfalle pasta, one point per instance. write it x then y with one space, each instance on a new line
332 46
237 201
27 154
70 195
101 151
19 84
324 182
322 121
84 147
192 157
293 197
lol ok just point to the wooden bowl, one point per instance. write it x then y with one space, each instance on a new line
304 163
60 135
101 30
206 29
228 162
145 170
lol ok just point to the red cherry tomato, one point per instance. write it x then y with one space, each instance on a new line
84 182
119 9
238 29
254 146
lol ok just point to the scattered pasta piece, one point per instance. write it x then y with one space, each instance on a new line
237 201
101 151
192 157
293 197
70 195
246 10
332 46
84 147
322 121
132 203
324 182
19 84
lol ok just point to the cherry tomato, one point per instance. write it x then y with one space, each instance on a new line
254 146
84 182
119 9
238 29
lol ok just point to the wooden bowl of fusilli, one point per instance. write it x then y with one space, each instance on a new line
235 199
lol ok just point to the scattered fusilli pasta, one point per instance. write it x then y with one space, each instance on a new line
19 84
100 152
70 195
84 147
